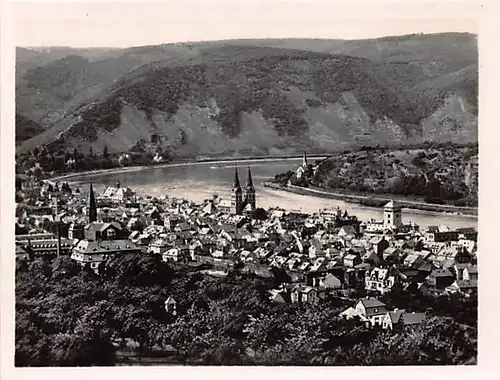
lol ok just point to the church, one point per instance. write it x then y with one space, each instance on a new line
243 201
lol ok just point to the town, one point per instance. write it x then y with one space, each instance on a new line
326 254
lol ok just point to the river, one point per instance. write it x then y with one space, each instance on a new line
198 181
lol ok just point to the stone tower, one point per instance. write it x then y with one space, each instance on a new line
237 195
92 206
392 216
250 191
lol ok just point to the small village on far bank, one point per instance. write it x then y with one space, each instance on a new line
329 253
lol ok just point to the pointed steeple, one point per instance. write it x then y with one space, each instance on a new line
304 160
249 179
249 192
92 206
236 183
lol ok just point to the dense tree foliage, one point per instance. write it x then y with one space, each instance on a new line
257 79
26 128
72 318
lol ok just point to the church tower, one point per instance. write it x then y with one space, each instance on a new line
92 206
250 191
237 195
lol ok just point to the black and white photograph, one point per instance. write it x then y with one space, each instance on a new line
253 183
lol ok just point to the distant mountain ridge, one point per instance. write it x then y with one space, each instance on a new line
253 96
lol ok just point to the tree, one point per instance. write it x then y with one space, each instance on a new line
260 214
105 152
183 137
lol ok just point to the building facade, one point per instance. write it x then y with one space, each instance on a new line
392 216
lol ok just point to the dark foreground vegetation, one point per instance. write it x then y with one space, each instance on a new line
65 317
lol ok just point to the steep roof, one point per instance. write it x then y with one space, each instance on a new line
467 284
371 302
412 318
441 273
471 269
236 182
395 315
249 179
392 204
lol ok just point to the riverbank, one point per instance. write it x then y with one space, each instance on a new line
375 201
172 164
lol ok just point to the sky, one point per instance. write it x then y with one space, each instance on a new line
124 24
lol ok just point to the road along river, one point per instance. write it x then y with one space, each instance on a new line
200 180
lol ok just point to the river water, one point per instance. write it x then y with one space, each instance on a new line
199 181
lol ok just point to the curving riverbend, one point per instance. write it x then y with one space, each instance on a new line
200 180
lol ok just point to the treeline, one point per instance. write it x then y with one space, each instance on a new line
54 158
68 317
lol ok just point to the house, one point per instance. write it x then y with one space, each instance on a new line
470 273
176 254
46 247
103 231
440 278
392 318
76 231
467 233
413 260
304 294
458 269
379 244
351 260
171 305
349 313
435 236
91 253
455 254
158 246
224 206
380 280
391 255
371 258
347 232
373 226
318 265
316 249
329 281
400 319
466 288
117 194
371 310
277 295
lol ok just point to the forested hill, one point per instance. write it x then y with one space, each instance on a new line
256 96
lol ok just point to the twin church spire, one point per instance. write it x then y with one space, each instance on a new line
240 201
243 201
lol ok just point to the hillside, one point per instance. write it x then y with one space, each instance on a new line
258 96
26 128
435 172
